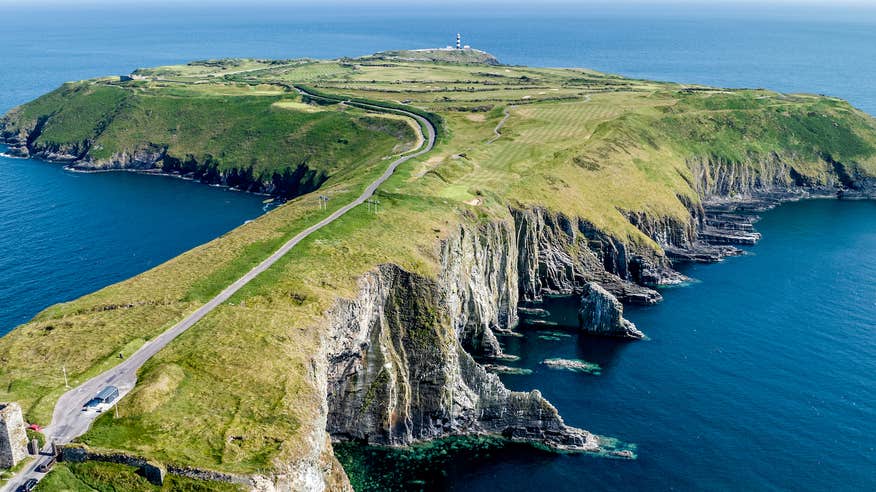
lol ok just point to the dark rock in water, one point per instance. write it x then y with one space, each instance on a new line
601 313
549 338
533 312
501 369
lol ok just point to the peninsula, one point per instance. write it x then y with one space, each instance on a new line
493 186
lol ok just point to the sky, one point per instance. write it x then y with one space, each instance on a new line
700 3
507 7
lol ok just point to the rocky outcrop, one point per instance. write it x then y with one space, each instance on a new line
600 313
144 158
398 373
150 158
719 179
732 193
557 255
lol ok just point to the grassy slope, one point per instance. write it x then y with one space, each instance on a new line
234 393
111 477
236 126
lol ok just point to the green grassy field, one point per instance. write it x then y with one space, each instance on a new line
236 392
111 477
247 134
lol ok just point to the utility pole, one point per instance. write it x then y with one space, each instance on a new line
66 384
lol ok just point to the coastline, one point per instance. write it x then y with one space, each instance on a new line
66 166
486 270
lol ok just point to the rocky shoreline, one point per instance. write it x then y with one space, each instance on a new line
155 161
400 366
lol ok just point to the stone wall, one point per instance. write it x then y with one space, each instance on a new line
13 436
152 470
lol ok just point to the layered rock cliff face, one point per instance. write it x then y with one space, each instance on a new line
732 192
479 279
558 255
718 179
773 177
398 372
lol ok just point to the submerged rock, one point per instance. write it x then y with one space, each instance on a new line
533 312
549 338
555 334
575 365
601 313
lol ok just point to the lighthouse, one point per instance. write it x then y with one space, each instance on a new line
458 41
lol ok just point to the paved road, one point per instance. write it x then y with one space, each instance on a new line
68 419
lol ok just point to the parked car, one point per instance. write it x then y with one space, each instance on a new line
45 466
28 486
92 404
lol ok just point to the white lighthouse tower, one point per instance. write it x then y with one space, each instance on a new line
458 41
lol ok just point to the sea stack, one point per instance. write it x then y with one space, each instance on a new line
600 313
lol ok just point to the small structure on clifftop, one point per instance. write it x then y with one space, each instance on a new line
13 436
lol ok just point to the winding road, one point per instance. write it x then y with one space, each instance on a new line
68 419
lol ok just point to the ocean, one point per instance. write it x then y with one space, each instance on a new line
759 376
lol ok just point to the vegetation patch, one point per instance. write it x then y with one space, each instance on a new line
92 476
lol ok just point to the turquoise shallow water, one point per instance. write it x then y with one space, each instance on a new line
759 377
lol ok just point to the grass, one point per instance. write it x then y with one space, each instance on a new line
112 477
257 134
8 473
237 392
78 110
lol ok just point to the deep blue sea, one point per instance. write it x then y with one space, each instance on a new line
761 376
